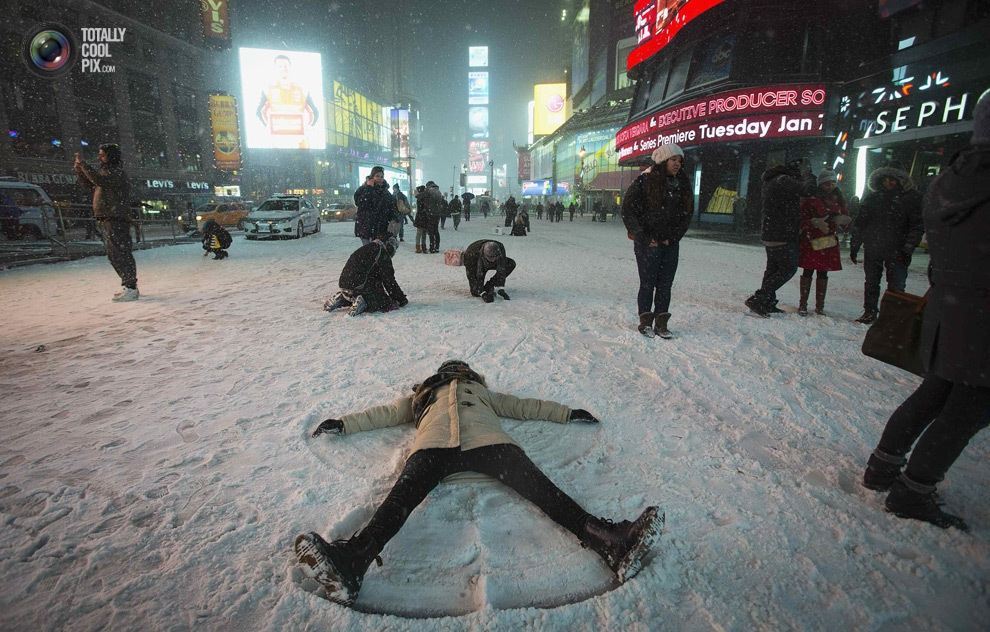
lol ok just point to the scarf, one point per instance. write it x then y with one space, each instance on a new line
425 393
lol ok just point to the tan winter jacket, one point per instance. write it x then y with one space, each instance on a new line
465 414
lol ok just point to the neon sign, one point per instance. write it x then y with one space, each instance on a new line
658 21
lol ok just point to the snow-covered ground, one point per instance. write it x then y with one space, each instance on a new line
156 463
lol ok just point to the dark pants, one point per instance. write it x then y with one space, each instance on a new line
782 265
509 218
443 222
421 234
945 416
506 462
873 268
496 281
657 266
457 221
435 235
117 240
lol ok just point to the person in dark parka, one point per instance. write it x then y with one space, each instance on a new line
783 187
953 402
428 204
216 240
890 226
367 281
375 208
454 208
481 257
656 211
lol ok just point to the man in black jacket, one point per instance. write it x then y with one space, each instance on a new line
783 187
375 207
367 282
656 210
111 209
890 225
481 257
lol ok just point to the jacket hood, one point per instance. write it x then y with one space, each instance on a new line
778 170
890 172
963 187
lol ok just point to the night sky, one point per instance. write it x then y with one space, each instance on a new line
528 44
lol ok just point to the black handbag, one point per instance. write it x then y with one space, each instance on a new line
895 337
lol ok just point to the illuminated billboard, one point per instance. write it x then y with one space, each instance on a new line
658 21
354 117
477 88
478 151
226 135
543 187
550 110
478 56
478 121
282 96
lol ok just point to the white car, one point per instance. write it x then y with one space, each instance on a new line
282 216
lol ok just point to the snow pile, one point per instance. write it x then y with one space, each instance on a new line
156 464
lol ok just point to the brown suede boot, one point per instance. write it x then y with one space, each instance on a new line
646 324
805 291
821 287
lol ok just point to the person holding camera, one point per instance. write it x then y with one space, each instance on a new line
111 210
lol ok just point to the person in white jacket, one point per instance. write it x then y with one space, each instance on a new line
458 430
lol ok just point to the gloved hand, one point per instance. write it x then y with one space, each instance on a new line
403 301
329 426
854 255
820 223
488 296
580 414
501 292
842 220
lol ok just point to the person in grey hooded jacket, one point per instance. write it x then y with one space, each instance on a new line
952 404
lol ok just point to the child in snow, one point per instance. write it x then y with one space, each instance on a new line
458 430
216 240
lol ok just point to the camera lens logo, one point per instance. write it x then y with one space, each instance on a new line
50 50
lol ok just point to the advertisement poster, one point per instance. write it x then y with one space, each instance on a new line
478 56
658 21
226 136
550 110
216 22
477 88
282 93
478 151
478 121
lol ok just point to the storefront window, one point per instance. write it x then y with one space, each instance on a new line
678 75
713 60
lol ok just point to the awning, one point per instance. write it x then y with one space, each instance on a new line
614 180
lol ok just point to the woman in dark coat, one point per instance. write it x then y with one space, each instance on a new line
953 402
656 210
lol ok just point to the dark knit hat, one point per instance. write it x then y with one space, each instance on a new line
378 169
981 122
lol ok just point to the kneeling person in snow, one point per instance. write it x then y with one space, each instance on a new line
216 240
367 282
481 257
458 430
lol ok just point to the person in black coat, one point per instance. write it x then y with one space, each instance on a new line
511 207
429 206
367 282
467 197
656 211
375 207
890 226
454 208
953 402
783 187
481 257
216 240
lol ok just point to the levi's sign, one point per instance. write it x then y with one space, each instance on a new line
746 114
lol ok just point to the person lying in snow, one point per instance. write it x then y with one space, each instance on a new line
458 430
367 282
481 257
216 240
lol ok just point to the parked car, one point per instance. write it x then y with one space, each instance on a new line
229 214
339 212
283 216
26 211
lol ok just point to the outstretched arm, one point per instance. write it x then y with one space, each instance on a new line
397 413
529 408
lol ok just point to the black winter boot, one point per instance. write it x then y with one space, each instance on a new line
646 324
882 470
660 326
339 566
624 545
910 499
805 290
869 316
821 288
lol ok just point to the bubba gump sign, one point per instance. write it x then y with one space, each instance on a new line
780 111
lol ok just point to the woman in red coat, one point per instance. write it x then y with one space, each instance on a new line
822 215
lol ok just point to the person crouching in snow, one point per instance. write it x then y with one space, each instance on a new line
457 426
216 240
367 282
482 256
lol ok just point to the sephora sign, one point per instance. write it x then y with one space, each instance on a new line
746 114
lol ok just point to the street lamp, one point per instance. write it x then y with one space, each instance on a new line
491 166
